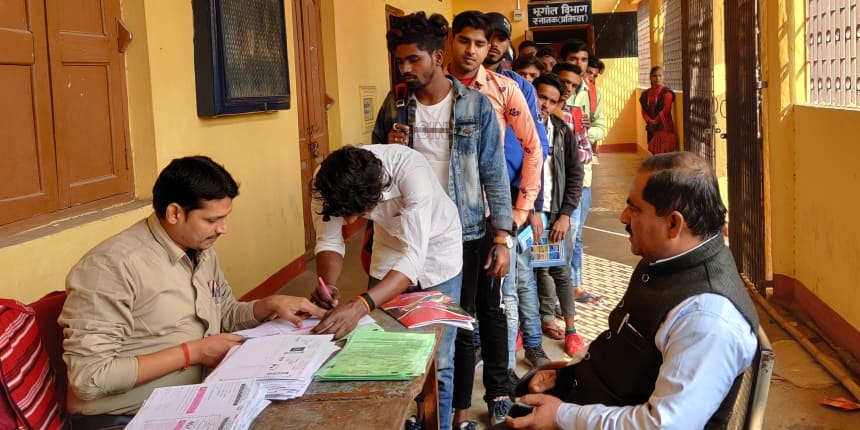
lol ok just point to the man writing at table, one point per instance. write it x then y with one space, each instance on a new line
417 243
684 330
147 308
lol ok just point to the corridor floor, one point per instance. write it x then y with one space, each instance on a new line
607 267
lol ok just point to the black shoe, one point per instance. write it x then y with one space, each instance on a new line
536 356
412 423
498 408
468 425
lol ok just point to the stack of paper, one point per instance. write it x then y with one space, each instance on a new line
222 405
281 326
380 355
284 364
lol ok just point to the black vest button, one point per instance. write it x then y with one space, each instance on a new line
620 303
645 278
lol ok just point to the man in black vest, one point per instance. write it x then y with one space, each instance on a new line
684 330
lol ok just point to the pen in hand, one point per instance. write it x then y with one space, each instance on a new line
326 294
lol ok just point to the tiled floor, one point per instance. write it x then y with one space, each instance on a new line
607 267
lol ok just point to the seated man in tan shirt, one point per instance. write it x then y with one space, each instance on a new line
150 307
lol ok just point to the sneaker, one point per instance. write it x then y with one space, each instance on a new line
513 380
468 425
498 408
519 340
536 356
412 423
573 344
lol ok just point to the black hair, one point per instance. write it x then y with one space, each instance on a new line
566 67
597 63
349 182
472 18
523 61
550 79
427 33
654 69
573 46
189 181
525 44
685 182
545 51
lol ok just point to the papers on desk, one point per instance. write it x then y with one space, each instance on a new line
284 364
380 355
281 326
221 405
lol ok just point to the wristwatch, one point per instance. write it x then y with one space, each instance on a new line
508 241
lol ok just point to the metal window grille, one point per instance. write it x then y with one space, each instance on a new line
643 19
832 37
672 49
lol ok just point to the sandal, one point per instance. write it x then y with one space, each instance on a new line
590 298
552 330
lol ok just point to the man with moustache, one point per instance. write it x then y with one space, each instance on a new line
470 36
149 307
685 329
456 130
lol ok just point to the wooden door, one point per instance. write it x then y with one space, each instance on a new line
87 77
27 166
310 86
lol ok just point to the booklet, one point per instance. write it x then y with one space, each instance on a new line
372 355
427 307
229 405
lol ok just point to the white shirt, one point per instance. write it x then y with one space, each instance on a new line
431 135
416 225
547 170
706 343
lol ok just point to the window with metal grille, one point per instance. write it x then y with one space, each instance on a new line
643 19
832 41
672 46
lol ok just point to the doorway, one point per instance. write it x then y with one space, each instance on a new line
311 102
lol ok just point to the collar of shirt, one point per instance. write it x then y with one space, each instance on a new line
173 250
687 251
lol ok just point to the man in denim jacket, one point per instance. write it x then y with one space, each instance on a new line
456 129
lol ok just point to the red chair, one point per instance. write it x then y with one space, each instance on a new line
48 309
32 371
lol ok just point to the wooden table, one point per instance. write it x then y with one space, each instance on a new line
359 404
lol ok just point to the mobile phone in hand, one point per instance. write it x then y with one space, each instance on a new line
520 410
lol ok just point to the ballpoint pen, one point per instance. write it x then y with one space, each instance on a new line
324 289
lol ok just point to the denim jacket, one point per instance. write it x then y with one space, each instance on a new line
477 159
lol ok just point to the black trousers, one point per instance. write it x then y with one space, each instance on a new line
100 422
482 297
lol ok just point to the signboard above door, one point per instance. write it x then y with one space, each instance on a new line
557 14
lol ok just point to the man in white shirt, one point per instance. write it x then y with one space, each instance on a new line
684 330
417 243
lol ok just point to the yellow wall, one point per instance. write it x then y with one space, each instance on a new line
826 231
260 150
617 88
810 155
356 55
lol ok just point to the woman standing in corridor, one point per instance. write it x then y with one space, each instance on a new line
657 111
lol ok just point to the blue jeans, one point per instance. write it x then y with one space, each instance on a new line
577 221
511 302
445 352
527 292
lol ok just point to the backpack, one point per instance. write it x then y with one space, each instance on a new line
29 399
